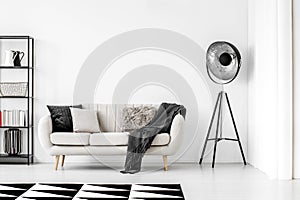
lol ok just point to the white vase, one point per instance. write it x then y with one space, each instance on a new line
9 58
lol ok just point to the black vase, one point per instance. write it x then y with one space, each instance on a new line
18 55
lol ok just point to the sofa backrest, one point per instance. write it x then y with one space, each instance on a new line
110 116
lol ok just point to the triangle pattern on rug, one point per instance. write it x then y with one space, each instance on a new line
68 191
12 191
153 187
15 186
65 185
114 186
6 196
50 187
58 192
113 193
161 191
54 191
163 186
99 194
105 191
44 198
101 188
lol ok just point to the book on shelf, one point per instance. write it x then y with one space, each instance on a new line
13 118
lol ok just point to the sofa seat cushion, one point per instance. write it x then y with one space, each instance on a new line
109 139
68 138
121 139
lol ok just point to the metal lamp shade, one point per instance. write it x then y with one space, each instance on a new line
223 62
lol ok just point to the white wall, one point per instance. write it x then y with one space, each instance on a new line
296 27
66 32
262 77
270 87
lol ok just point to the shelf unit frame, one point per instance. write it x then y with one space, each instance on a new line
24 158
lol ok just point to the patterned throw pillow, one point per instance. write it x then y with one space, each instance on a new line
136 117
61 118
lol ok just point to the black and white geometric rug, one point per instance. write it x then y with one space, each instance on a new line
67 191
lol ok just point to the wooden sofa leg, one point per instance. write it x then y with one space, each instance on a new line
56 161
63 160
165 163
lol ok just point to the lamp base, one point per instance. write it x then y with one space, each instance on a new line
218 137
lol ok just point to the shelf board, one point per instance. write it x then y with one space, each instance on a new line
15 37
15 97
16 159
15 67
16 127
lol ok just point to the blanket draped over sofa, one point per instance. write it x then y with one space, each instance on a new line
140 140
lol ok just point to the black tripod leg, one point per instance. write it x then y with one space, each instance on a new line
209 129
236 132
217 131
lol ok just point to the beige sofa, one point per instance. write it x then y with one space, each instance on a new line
110 141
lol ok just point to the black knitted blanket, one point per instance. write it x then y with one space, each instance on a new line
140 140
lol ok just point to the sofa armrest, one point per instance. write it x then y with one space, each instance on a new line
176 134
44 131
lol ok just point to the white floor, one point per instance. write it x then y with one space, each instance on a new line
225 182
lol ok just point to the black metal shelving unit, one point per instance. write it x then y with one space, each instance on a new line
27 157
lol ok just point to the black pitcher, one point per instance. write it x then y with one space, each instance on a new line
18 55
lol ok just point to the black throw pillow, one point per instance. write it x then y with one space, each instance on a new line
61 118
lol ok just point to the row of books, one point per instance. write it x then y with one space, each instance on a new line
13 118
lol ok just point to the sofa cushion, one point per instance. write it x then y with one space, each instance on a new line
109 138
121 139
136 117
84 120
67 138
61 118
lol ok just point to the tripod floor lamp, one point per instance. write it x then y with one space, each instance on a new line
223 62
